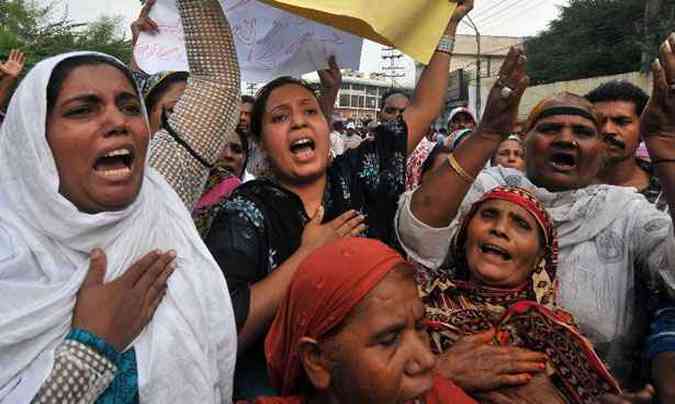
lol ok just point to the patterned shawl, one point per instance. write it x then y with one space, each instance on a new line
525 316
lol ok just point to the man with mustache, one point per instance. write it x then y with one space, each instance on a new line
621 103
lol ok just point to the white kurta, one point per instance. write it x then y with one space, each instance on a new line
613 243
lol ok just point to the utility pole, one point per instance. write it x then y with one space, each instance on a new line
251 88
479 104
652 8
393 56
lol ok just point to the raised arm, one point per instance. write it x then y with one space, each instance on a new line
331 79
658 129
436 202
9 72
429 96
207 114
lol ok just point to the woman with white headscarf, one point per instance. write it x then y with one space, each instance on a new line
80 206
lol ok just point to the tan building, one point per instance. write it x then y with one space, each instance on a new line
462 83
360 93
534 94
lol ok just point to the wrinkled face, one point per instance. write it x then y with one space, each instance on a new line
98 136
167 101
383 353
461 121
621 129
563 152
503 244
295 135
244 125
510 154
234 157
394 106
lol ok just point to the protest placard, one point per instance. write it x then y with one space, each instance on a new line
412 26
270 42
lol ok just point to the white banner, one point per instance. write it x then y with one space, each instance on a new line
270 42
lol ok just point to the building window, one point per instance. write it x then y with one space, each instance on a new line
344 100
371 102
371 90
345 86
358 87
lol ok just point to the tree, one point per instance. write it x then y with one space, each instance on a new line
41 32
596 38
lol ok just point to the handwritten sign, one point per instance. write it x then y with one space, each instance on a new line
413 26
270 42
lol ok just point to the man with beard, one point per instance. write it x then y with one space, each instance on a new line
621 103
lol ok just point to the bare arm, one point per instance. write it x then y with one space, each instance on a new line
436 202
429 96
658 129
331 79
206 116
9 72
142 24
267 294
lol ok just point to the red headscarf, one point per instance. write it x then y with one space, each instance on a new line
326 287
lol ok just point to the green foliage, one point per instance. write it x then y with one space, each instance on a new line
596 38
40 31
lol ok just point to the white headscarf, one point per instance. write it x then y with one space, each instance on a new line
187 352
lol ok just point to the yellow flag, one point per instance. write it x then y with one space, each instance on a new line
412 26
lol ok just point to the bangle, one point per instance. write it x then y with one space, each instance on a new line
454 164
663 161
446 44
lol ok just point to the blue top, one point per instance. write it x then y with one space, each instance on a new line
124 387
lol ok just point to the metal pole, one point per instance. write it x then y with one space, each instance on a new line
479 104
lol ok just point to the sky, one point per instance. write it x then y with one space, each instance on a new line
492 17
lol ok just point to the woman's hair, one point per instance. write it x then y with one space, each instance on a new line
513 138
391 92
247 99
65 67
152 98
264 94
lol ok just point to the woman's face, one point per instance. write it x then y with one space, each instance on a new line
510 155
234 156
98 136
166 101
295 135
564 152
382 354
503 244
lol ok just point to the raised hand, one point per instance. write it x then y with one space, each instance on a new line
316 234
119 310
657 123
14 64
501 109
144 23
463 8
331 78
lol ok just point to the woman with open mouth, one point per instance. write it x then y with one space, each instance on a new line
268 225
503 281
352 331
108 293
617 251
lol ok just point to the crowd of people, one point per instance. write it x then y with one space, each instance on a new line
165 239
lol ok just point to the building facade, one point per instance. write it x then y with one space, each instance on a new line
359 95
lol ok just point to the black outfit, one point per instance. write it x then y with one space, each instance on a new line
261 225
